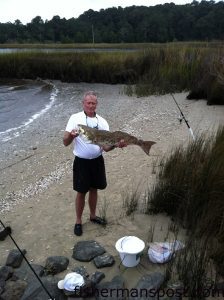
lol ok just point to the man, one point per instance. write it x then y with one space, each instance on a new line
88 168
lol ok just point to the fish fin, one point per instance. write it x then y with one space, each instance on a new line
146 146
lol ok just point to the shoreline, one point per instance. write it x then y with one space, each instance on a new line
26 89
38 182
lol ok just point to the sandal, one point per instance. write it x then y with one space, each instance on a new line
78 229
98 220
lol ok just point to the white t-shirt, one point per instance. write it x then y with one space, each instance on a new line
83 149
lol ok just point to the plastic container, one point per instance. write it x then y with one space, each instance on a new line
163 252
130 249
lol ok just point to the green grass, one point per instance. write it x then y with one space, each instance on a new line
130 201
191 268
195 44
151 69
190 189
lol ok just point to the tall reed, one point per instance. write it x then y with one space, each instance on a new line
190 188
190 270
152 69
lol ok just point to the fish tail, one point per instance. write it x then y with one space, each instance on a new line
146 146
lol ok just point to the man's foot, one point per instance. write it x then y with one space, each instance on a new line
98 220
78 229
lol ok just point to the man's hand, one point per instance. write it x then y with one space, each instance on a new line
121 144
74 133
69 136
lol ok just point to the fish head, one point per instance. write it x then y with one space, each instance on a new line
83 132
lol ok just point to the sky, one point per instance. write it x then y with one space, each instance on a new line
26 10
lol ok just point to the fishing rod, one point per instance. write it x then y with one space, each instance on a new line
32 269
191 131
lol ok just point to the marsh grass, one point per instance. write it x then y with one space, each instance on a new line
189 188
87 45
192 267
150 69
208 80
193 44
151 233
103 208
131 201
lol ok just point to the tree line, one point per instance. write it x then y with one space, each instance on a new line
201 21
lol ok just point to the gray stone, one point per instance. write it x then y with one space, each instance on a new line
105 260
24 272
15 258
6 272
13 290
87 250
35 290
2 286
112 290
149 282
82 271
55 265
5 232
176 288
97 277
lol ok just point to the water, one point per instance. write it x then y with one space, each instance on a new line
22 102
51 50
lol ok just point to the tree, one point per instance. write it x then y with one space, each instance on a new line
161 23
36 29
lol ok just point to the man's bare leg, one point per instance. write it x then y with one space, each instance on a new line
92 202
79 206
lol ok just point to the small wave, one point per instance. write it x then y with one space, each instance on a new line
34 117
45 88
17 88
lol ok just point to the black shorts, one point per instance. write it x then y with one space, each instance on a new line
89 173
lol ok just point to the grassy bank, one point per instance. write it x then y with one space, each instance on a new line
158 68
194 44
190 189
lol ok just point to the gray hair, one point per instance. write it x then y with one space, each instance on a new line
89 93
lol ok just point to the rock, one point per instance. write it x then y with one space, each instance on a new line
5 232
24 272
14 290
2 286
146 283
177 288
82 271
105 260
6 272
35 290
87 250
55 265
15 258
97 277
112 290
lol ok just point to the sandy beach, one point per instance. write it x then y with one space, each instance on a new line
37 199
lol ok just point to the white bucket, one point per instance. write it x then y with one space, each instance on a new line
130 248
